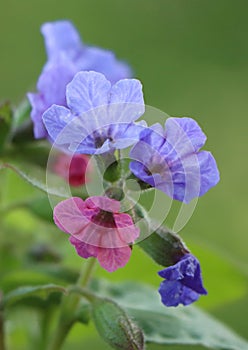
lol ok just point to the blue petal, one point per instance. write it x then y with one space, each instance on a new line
174 293
87 90
126 100
184 134
182 279
38 107
209 172
105 62
61 37
62 126
112 136
53 80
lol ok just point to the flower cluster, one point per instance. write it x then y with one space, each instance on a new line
87 104
66 56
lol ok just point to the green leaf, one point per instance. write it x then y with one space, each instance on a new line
39 274
164 246
21 293
22 114
115 326
36 176
182 325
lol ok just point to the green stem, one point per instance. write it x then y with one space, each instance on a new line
44 327
2 343
69 306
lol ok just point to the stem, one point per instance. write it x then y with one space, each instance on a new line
2 343
69 306
86 273
45 323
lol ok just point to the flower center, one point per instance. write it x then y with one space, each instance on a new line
104 218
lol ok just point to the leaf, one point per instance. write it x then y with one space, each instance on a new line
41 292
36 176
115 327
40 274
182 325
22 113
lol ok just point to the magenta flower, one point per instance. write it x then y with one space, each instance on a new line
98 229
72 168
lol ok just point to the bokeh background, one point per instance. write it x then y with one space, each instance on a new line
192 58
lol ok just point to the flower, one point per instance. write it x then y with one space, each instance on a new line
100 117
183 284
98 229
170 159
71 168
67 55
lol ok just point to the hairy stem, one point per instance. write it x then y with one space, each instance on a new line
69 306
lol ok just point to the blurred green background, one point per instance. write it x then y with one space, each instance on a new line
192 58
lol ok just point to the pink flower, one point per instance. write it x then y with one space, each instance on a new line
98 229
72 168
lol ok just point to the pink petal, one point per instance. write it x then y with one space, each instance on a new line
128 232
68 215
101 236
84 250
103 203
112 259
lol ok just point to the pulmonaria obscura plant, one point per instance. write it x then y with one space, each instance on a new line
99 153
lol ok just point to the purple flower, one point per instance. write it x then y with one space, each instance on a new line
98 229
100 117
170 159
67 55
183 284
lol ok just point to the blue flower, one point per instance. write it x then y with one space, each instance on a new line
183 284
66 56
100 117
170 159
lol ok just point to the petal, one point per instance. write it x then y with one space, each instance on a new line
98 235
53 80
87 91
112 259
61 36
184 135
174 293
127 91
105 62
126 101
38 107
63 127
125 134
68 215
127 231
104 203
84 250
209 171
